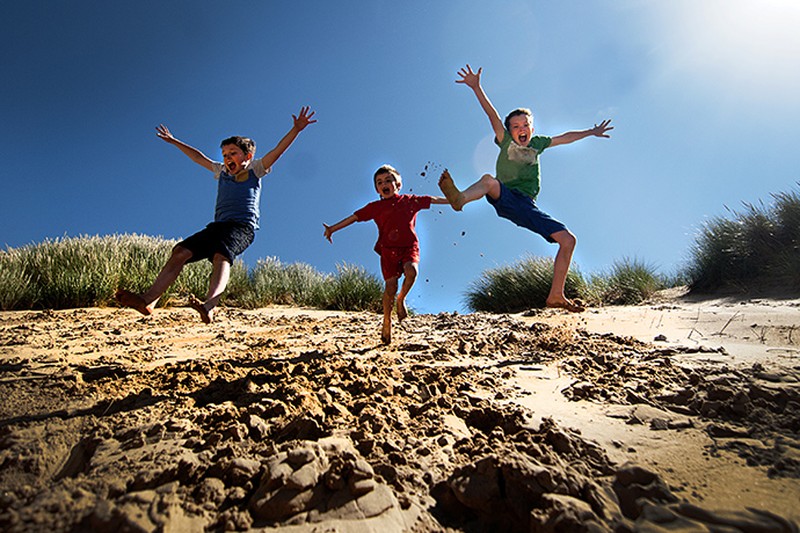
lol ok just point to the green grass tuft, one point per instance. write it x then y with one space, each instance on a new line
86 271
630 282
353 288
755 249
517 287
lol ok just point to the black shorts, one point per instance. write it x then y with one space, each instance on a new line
227 238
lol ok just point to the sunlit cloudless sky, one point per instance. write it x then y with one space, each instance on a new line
703 96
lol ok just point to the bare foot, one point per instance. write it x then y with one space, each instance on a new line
451 192
572 307
132 300
386 333
198 306
402 312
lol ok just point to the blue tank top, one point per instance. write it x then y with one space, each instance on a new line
239 201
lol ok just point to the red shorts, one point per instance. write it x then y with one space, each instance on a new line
394 257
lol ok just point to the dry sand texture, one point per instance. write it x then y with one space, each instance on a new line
302 420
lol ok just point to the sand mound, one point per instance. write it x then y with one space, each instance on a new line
303 420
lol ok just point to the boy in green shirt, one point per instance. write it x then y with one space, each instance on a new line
513 192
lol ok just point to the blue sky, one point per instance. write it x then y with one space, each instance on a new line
702 94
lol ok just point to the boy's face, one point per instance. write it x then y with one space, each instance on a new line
387 184
521 129
234 158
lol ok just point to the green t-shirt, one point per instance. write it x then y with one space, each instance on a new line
518 166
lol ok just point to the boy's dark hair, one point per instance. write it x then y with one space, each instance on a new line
248 146
387 169
517 112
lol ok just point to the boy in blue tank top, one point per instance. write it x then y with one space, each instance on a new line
236 217
513 191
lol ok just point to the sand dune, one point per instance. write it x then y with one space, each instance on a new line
677 414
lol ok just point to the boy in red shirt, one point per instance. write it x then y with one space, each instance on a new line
398 245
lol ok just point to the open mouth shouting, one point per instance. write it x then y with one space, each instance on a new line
386 184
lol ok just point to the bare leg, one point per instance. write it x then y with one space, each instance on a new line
388 303
169 273
145 303
220 275
487 185
409 276
566 245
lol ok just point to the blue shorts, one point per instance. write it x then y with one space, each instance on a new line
227 238
521 209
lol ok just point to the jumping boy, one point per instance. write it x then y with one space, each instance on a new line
513 192
395 215
236 217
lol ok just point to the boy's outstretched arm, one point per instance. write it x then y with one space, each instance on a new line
330 230
599 130
439 200
193 153
300 122
473 81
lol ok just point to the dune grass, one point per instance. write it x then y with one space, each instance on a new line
517 287
753 250
351 288
526 284
629 282
85 271
272 282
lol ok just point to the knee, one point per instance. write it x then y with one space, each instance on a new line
391 286
565 239
490 184
180 254
410 271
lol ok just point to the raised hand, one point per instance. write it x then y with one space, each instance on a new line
164 133
601 129
469 78
304 119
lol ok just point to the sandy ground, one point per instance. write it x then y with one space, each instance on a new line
678 415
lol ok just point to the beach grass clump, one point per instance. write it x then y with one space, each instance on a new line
752 250
273 282
629 282
75 271
518 287
16 289
352 288
85 271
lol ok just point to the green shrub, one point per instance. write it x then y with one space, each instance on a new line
86 271
352 288
16 289
272 282
786 264
755 249
631 281
515 288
